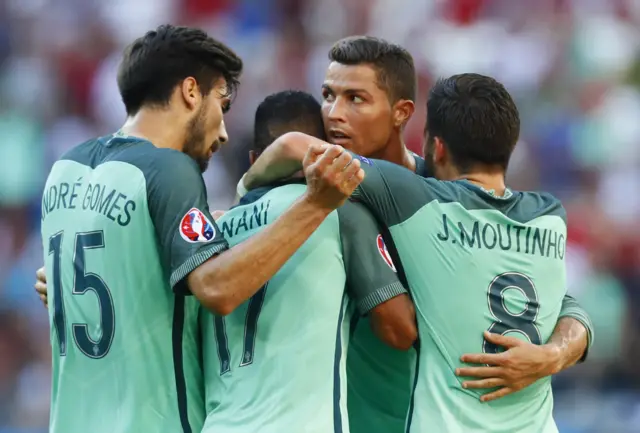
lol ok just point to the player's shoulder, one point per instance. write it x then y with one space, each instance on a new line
273 199
135 151
463 192
286 190
444 190
533 204
520 206
85 153
400 180
156 160
426 190
385 167
163 169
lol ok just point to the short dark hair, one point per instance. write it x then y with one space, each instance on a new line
154 64
287 111
393 64
476 118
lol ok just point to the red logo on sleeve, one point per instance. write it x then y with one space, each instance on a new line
195 227
382 249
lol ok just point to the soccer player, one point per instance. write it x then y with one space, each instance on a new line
127 234
368 96
277 363
511 246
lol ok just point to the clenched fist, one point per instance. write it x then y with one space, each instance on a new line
332 175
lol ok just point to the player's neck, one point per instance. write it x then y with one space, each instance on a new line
398 154
490 180
157 126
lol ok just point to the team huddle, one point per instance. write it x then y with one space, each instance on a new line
354 287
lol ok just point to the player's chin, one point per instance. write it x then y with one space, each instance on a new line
203 163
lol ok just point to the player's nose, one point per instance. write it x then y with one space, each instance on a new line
336 110
223 137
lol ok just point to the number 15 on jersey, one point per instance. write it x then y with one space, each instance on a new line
83 282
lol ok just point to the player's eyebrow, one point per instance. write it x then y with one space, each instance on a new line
347 90
356 91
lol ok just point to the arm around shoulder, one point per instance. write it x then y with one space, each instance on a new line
279 160
226 281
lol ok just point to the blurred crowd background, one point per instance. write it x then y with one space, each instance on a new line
573 66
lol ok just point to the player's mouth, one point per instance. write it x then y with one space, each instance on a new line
214 148
337 136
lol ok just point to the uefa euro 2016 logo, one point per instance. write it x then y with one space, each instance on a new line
384 252
195 227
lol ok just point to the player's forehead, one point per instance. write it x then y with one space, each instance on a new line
343 78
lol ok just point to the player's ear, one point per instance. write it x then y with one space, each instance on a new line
190 92
402 112
252 157
440 152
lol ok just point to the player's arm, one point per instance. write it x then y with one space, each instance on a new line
284 157
372 281
382 180
523 363
573 334
195 253
279 160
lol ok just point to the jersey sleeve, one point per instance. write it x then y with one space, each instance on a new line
392 192
187 233
371 275
571 308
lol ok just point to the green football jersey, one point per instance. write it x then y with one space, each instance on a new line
277 363
379 377
123 223
379 381
473 262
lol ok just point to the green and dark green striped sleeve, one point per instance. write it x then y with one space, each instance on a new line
187 233
371 274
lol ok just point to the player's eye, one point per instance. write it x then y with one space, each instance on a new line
327 96
357 99
226 106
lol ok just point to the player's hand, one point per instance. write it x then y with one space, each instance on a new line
41 285
332 175
216 214
519 366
